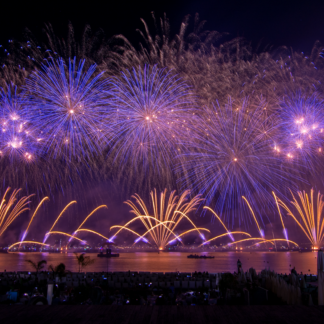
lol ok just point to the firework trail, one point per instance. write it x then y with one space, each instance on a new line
32 218
231 156
30 242
281 219
12 209
151 111
57 219
225 234
310 215
165 216
262 240
78 229
70 103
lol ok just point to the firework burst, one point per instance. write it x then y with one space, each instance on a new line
231 156
69 104
152 108
302 130
19 139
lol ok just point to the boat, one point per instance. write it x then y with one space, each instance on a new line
108 254
196 256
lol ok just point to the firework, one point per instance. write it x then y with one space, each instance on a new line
57 219
19 139
78 229
30 242
165 216
261 240
63 233
32 218
230 157
310 215
91 231
66 115
302 130
152 108
225 234
69 104
12 209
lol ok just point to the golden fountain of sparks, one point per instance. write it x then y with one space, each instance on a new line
311 219
164 217
11 210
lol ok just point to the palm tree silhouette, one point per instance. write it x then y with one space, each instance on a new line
37 266
59 269
83 261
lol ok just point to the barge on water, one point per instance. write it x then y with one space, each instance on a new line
196 256
108 254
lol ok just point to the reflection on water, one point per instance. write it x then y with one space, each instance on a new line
171 261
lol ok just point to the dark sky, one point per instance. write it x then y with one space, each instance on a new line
293 23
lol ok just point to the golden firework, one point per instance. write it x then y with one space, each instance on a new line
310 215
11 210
163 217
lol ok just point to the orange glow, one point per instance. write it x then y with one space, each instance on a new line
43 200
270 241
255 219
206 207
8 215
90 231
32 242
59 216
222 235
102 206
62 233
248 239
166 215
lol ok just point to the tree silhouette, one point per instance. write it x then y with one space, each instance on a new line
83 261
37 266
59 269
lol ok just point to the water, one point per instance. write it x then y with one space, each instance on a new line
170 261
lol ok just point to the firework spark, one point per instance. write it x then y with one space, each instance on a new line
57 219
12 209
164 218
152 108
302 130
69 105
230 157
310 215
78 229
32 218
19 140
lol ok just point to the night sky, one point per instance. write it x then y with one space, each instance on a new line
292 23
